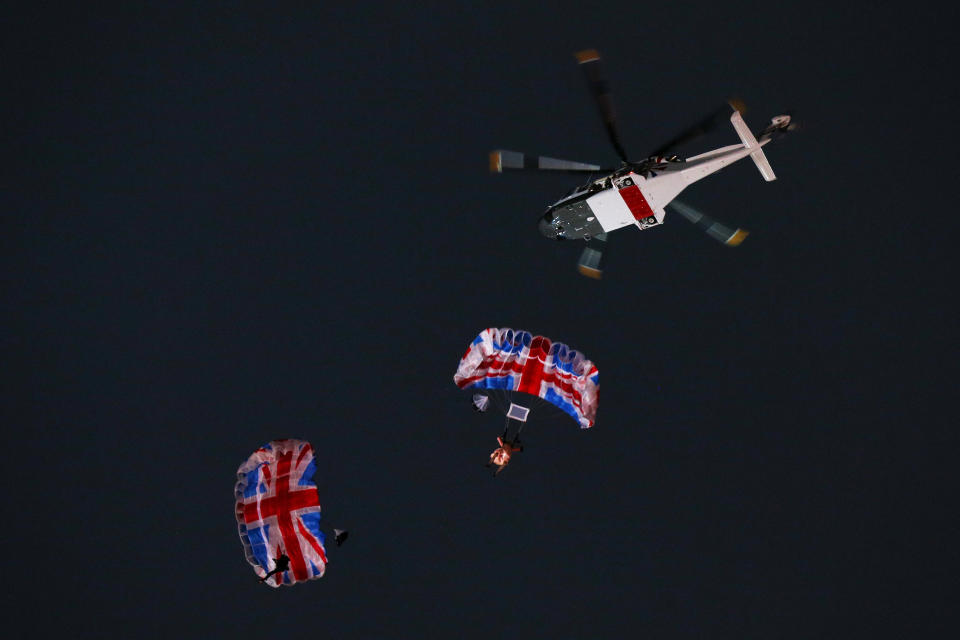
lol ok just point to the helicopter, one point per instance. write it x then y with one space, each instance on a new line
637 192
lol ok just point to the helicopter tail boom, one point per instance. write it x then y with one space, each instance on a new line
750 142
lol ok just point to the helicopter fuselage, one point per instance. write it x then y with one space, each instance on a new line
578 214
635 194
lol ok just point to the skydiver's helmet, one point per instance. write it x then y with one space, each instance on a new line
480 402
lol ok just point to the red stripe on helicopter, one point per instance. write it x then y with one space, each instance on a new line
635 201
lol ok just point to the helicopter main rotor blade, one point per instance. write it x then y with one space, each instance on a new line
592 260
711 121
514 160
714 229
589 60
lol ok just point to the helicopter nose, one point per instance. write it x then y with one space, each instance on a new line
547 229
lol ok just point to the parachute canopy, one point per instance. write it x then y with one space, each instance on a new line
278 511
515 360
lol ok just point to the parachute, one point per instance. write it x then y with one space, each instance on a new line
278 512
514 360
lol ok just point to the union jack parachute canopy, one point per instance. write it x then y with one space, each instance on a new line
515 360
278 512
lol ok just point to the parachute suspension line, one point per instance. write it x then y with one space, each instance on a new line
517 437
504 399
493 399
497 400
500 399
538 410
544 411
540 403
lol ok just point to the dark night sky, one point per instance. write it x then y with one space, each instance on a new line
225 226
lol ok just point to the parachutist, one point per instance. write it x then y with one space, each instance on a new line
507 366
278 513
281 564
501 456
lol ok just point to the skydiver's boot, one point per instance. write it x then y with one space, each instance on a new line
282 564
269 575
340 535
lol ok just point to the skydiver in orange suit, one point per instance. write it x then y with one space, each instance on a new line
501 456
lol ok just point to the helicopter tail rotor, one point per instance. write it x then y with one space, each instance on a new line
779 126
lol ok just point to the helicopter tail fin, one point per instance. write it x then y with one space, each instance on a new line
750 142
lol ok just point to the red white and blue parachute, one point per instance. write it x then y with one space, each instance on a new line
278 511
515 360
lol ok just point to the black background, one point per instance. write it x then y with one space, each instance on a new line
223 226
